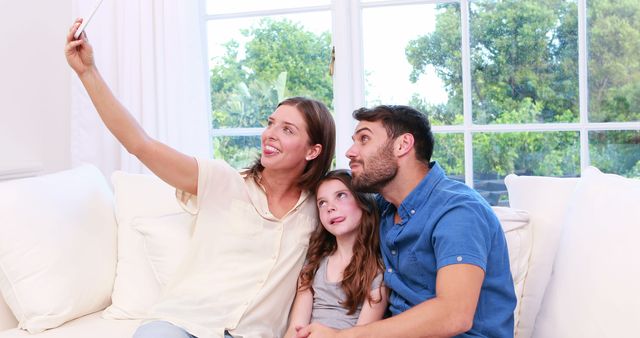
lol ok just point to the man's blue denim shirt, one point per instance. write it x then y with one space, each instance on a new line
445 222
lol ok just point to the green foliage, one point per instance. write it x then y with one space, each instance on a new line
245 150
284 46
614 66
281 60
449 152
524 66
442 50
635 171
616 151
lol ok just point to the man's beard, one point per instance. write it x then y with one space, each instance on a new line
378 170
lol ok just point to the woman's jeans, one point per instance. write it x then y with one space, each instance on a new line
162 329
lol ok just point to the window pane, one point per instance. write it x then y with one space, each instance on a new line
411 59
616 152
614 62
224 7
449 152
524 61
257 62
496 155
238 151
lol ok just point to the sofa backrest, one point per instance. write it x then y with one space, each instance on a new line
592 292
517 230
545 199
7 320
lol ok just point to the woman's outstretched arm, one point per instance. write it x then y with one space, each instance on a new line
172 166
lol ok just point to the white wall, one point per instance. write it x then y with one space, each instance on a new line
34 86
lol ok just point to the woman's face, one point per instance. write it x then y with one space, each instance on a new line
285 142
338 208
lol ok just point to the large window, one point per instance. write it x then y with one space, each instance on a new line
261 52
532 87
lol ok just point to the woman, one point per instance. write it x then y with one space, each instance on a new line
252 228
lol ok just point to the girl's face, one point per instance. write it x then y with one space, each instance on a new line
285 143
339 211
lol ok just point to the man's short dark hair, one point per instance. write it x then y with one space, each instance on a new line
398 120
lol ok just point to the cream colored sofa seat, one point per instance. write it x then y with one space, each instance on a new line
91 325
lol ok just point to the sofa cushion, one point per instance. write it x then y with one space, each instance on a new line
7 320
153 230
84 327
517 231
58 246
546 200
592 292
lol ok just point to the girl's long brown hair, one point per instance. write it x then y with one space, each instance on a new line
365 264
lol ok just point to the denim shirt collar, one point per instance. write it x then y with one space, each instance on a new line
419 194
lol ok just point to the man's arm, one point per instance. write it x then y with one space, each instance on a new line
450 313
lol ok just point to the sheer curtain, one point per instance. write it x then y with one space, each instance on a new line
151 55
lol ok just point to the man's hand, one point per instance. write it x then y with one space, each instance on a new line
316 330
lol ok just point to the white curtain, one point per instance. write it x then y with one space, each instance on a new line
151 53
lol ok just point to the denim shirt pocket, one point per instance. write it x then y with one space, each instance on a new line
418 276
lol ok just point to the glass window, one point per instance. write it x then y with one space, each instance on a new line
528 70
616 152
524 61
614 65
449 152
407 62
495 155
257 62
238 151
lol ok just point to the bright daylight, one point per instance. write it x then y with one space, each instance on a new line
319 168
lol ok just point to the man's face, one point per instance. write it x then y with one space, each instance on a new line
372 161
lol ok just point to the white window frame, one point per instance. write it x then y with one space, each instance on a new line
349 81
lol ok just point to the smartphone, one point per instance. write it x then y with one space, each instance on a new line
86 20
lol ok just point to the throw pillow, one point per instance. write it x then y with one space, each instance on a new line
166 241
546 200
57 248
149 219
592 292
517 231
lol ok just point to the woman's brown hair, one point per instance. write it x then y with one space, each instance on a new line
321 130
365 264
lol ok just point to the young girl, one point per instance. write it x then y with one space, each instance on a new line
341 283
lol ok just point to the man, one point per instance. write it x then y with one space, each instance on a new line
446 257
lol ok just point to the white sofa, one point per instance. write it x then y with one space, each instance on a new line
78 260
